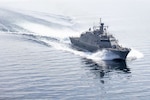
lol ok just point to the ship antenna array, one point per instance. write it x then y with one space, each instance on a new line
100 21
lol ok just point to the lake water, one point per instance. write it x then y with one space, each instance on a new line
38 62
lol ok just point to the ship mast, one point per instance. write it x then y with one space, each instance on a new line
100 21
101 27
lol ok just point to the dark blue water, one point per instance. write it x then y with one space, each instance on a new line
38 63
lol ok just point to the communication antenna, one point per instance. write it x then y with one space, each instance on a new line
100 21
100 24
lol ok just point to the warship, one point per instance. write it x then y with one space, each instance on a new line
100 39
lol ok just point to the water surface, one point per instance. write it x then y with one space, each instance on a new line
38 62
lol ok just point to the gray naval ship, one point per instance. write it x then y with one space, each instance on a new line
99 39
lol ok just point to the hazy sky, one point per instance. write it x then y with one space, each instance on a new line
78 7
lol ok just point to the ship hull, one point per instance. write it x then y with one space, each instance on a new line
120 52
83 46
